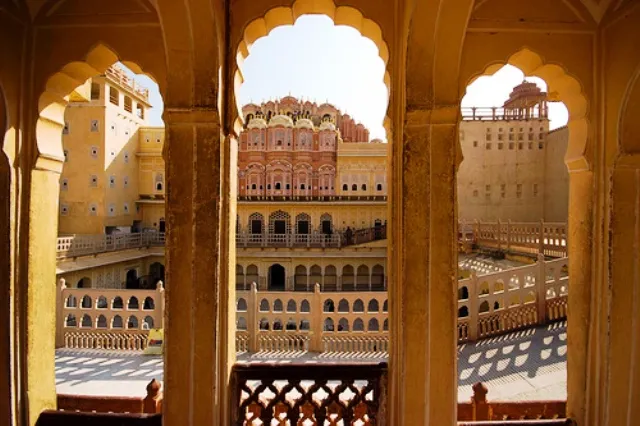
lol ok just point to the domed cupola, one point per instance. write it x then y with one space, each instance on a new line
281 120
257 123
327 125
304 123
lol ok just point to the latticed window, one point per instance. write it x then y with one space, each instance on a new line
326 223
303 224
279 222
256 223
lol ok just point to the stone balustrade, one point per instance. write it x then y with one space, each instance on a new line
80 245
93 318
547 238
317 321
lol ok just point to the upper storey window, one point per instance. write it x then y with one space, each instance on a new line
304 141
114 96
327 141
128 104
95 91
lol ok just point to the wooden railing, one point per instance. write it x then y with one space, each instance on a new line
312 394
344 321
547 238
80 245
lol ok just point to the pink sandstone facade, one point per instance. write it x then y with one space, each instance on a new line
289 148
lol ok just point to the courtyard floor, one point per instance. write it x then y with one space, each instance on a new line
526 365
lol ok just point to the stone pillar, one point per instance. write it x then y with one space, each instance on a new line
60 302
200 320
37 290
473 306
582 327
422 255
541 293
316 319
252 317
160 305
623 387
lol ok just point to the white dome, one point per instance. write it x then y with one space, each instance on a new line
304 123
327 125
257 123
281 120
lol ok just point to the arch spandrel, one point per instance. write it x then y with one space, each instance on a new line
562 86
253 21
629 128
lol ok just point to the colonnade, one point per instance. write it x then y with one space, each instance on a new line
431 51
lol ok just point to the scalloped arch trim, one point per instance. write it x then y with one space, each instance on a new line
561 87
279 16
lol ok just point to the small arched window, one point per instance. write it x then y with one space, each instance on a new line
278 185
364 186
379 187
159 186
354 187
253 186
345 187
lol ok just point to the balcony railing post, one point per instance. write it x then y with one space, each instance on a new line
509 235
479 403
316 320
152 403
541 293
541 243
160 303
60 313
499 234
473 306
252 311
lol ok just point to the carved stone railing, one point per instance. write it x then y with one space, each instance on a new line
547 238
480 409
119 319
512 299
71 418
309 394
344 321
80 245
499 113
151 403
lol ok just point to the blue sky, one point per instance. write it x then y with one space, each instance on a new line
316 60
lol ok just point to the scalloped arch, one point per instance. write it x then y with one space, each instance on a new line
279 16
562 86
55 97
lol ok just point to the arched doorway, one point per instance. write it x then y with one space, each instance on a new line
84 282
156 273
131 282
162 227
277 277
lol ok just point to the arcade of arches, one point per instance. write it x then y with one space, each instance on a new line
586 50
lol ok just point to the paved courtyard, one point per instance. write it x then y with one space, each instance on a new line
530 364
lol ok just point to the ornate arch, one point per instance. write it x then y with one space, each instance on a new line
54 99
279 16
562 86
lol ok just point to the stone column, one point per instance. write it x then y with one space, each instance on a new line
623 390
38 290
422 255
200 321
60 303
316 319
584 298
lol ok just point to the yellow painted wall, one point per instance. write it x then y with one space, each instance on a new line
87 208
494 166
112 275
361 163
353 213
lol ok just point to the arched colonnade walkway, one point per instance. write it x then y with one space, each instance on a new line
584 49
